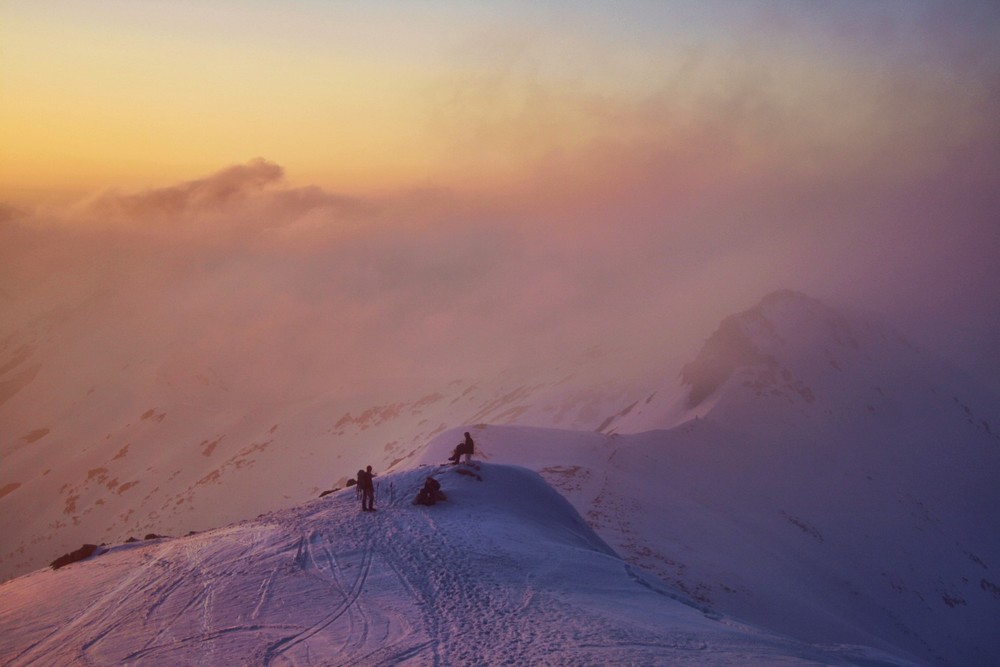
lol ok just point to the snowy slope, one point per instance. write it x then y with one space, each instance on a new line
810 471
503 572
153 446
833 483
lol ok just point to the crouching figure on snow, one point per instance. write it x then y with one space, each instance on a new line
430 493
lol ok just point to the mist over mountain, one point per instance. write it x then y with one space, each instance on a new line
724 277
809 471
826 478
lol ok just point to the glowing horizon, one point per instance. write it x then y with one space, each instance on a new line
143 95
598 164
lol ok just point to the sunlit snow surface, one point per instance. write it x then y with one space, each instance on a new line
504 572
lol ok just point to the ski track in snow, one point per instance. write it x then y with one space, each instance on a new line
471 581
349 596
456 602
730 509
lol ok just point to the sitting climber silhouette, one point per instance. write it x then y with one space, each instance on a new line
466 447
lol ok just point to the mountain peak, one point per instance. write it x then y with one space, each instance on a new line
783 336
786 296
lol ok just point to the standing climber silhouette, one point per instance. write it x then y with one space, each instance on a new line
367 487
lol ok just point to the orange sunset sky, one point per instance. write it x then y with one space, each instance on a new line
385 95
651 165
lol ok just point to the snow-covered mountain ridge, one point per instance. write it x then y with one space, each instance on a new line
793 356
139 454
853 474
810 472
852 548
502 572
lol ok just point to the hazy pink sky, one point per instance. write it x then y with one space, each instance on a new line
301 194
